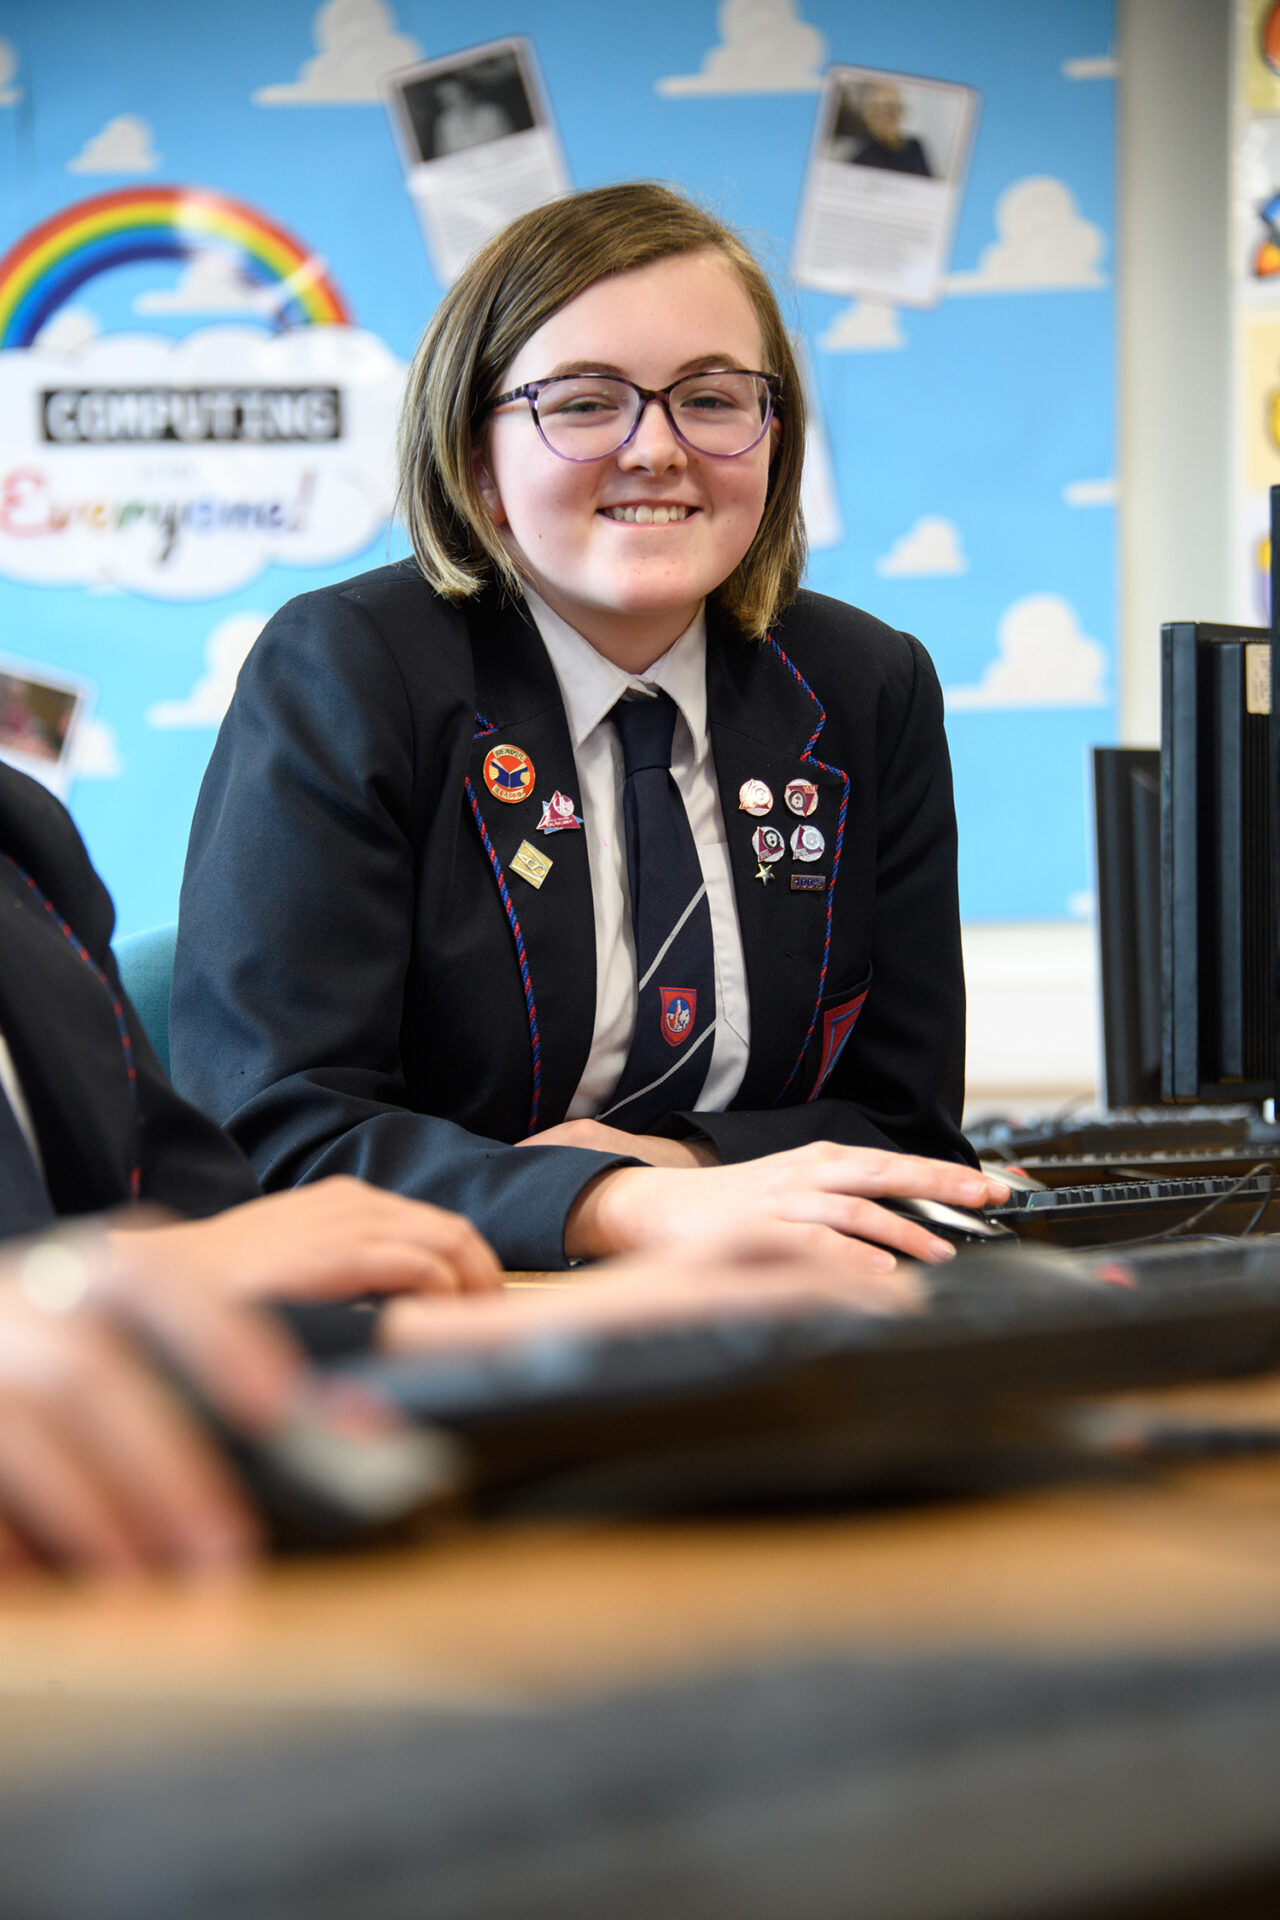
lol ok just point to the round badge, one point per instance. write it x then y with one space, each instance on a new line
754 797
807 844
768 843
508 773
801 796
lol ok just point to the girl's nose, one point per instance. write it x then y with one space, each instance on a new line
655 445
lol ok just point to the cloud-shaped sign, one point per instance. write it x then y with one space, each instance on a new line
125 145
95 752
763 48
932 546
1091 493
1044 243
864 326
357 43
68 328
225 652
1043 660
210 283
181 469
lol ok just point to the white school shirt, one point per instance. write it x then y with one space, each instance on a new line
590 687
21 1111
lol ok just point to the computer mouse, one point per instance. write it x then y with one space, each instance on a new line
960 1225
335 1471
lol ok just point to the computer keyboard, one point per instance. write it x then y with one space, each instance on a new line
1102 1212
1124 1133
817 1399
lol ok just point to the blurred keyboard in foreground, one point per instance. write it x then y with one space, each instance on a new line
818 1401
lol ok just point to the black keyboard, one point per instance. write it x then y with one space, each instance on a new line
1125 1133
821 1400
1119 1210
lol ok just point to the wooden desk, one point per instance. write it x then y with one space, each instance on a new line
960 1713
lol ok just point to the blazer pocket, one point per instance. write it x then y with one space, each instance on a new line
837 1017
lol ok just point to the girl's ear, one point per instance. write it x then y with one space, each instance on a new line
487 486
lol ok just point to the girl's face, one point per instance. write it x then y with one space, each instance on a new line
630 587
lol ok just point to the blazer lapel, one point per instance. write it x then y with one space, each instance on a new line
766 724
546 890
66 1044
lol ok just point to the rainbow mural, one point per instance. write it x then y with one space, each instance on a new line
52 262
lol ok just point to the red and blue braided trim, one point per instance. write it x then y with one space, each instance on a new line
117 1006
843 777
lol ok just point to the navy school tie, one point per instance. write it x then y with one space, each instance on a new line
671 924
24 1205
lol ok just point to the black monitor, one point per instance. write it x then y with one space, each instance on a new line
1217 978
1126 812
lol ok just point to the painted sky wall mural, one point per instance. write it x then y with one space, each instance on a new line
214 266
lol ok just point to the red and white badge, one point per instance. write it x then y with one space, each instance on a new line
768 843
679 1011
754 797
508 773
558 814
801 796
807 844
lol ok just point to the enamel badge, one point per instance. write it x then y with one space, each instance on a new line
754 797
768 843
807 844
508 773
801 796
679 1011
558 814
531 865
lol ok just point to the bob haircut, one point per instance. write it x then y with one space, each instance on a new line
513 285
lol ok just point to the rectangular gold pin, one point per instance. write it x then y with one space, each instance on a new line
531 865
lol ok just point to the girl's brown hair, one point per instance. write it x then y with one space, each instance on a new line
514 284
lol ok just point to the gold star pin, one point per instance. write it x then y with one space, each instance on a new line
764 874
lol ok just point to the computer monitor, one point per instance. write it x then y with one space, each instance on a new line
1126 812
1217 906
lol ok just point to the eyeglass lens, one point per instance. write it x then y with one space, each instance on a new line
585 415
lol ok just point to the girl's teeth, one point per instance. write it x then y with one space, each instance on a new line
648 516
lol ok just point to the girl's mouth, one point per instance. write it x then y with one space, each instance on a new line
645 516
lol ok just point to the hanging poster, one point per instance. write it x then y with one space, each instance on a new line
883 189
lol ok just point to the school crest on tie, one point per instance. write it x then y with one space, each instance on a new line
679 1006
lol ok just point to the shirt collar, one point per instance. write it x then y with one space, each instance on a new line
591 686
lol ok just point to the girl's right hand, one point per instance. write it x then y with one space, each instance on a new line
831 1188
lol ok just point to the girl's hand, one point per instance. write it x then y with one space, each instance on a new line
102 1469
824 1186
766 1268
335 1239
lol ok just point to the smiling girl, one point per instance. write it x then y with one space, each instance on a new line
582 873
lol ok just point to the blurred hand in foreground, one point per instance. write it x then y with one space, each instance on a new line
767 1267
336 1239
102 1469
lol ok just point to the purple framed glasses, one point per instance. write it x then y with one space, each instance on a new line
588 416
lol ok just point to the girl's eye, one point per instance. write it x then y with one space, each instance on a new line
579 403
710 402
585 403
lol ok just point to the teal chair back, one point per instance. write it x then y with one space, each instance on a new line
146 968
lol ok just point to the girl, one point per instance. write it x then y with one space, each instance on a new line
581 873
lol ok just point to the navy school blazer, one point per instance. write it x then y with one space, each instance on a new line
111 1129
365 982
